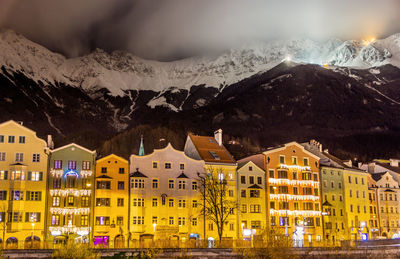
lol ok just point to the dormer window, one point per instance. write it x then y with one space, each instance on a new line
214 155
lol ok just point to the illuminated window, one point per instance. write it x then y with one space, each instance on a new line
55 220
102 202
85 165
84 220
103 221
72 164
294 160
35 176
70 201
57 164
85 201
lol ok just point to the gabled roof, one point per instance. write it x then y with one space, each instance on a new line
210 151
76 145
254 186
389 167
12 122
283 147
138 174
258 160
104 177
377 176
112 156
182 175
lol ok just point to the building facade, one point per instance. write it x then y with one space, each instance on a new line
70 194
111 209
23 167
294 193
164 196
387 191
374 222
252 209
220 163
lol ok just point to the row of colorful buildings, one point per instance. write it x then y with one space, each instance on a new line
296 190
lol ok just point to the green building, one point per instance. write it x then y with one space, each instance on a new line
70 194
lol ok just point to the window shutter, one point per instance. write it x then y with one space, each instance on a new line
28 195
11 195
40 176
5 175
29 176
38 217
5 195
40 196
26 216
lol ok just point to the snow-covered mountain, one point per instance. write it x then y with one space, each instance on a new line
341 91
121 71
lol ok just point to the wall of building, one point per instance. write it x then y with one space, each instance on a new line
22 183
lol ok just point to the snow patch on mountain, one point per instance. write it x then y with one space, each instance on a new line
120 71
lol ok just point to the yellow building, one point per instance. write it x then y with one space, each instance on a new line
111 202
217 161
356 202
23 167
252 199
294 193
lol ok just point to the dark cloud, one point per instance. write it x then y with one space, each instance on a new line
165 29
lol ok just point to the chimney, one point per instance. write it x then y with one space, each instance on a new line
371 168
394 162
218 136
50 143
359 164
320 147
326 150
349 163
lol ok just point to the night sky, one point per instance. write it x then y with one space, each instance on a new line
172 29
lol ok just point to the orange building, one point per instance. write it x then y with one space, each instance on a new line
294 193
111 202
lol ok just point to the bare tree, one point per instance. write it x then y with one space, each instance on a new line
217 205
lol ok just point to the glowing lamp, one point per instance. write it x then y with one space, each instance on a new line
56 233
82 232
247 232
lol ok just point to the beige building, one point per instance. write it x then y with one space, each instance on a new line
387 191
23 168
164 196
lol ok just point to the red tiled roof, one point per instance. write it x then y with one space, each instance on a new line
207 146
